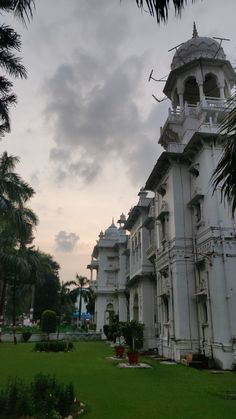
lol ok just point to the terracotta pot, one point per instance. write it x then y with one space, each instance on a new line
133 357
119 351
189 357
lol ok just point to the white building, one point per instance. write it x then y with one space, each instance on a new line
141 280
108 260
196 238
184 238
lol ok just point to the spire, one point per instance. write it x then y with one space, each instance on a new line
112 221
195 33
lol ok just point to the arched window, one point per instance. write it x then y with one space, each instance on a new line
175 99
110 313
210 87
191 91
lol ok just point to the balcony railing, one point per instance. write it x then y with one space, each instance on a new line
214 103
151 251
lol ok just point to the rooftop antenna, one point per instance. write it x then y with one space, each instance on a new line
177 51
221 39
162 79
159 100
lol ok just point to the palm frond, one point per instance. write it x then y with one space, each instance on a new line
5 85
12 65
9 39
8 162
159 8
22 9
224 176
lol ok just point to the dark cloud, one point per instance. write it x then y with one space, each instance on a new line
66 242
93 103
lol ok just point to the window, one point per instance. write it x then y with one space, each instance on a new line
191 91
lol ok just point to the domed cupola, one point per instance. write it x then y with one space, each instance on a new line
195 48
199 70
111 232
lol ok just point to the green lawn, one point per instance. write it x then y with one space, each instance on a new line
164 392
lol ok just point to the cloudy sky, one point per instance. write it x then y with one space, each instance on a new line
86 126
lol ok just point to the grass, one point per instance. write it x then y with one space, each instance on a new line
163 392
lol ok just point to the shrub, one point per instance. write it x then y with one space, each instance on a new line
133 334
53 346
49 321
15 400
106 331
54 396
26 334
22 400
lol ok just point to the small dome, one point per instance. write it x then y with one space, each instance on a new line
195 48
123 217
111 232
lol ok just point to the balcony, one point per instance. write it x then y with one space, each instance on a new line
151 252
93 264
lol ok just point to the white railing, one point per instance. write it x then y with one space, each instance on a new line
151 250
214 103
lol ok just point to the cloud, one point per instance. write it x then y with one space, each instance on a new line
93 104
34 179
66 242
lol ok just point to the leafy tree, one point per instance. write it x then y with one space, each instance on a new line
47 286
49 322
65 303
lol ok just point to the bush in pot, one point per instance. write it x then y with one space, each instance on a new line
133 335
117 335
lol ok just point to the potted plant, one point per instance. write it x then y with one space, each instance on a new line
117 334
133 335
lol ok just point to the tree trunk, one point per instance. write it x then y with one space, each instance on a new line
32 304
14 310
3 297
80 304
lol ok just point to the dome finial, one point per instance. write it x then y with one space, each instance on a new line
195 33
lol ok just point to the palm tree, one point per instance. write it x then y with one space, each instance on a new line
159 8
81 282
65 301
11 65
16 221
224 175
10 42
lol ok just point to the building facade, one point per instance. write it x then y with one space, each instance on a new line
141 281
181 250
109 263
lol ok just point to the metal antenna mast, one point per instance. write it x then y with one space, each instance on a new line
162 79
